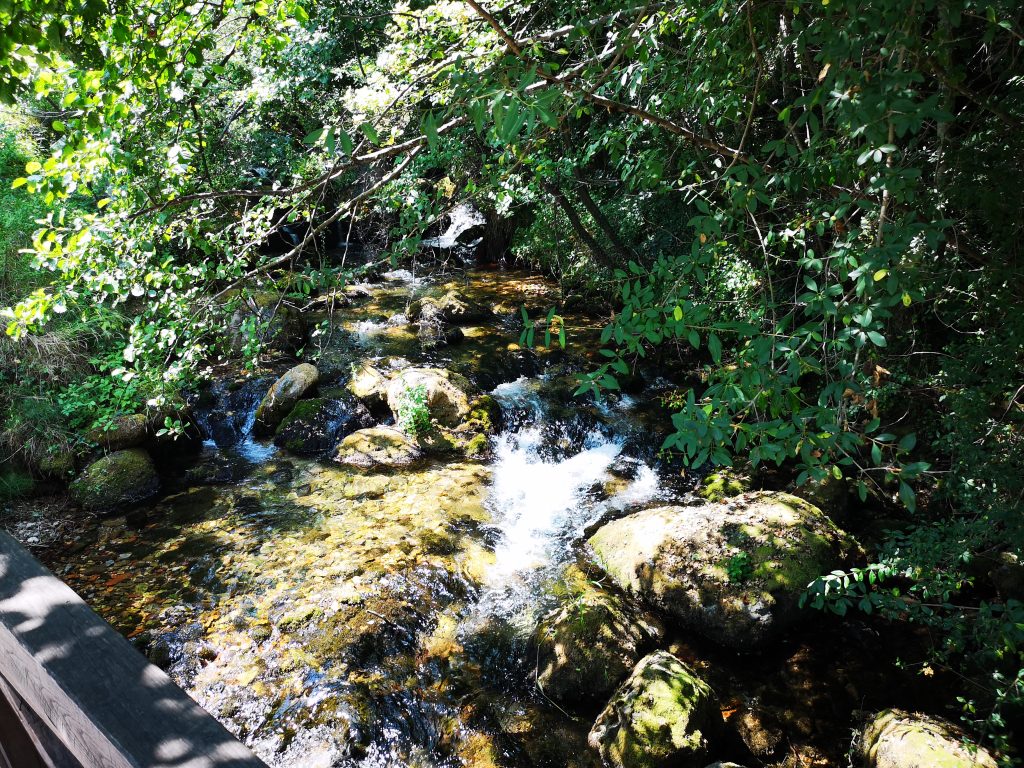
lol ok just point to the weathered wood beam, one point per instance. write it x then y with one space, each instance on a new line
98 695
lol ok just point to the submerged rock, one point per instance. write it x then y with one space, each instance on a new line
734 572
897 739
447 393
378 448
663 716
434 331
315 426
590 644
118 480
284 394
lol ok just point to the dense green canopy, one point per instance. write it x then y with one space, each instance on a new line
819 199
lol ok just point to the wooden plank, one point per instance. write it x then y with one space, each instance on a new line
103 700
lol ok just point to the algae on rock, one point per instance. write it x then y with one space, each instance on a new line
116 481
897 739
590 644
686 561
284 394
663 716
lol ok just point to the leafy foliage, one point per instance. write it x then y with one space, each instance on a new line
812 205
413 415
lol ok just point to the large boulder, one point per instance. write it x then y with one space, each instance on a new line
378 448
315 426
118 480
732 571
590 644
284 394
447 393
663 716
897 739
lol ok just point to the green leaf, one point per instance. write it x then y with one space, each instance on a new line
715 348
370 132
430 129
314 137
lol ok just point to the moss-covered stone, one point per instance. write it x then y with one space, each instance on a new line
116 481
897 739
732 571
284 394
378 448
589 645
723 484
368 384
663 716
315 426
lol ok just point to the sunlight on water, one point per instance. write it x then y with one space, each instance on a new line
544 494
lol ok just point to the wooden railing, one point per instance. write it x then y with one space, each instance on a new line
75 694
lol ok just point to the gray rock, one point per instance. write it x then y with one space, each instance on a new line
663 716
590 644
284 394
378 448
447 393
897 739
732 571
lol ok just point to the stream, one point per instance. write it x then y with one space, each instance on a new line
334 617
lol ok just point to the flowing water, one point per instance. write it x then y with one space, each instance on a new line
331 617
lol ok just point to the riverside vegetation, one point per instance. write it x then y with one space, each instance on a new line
518 383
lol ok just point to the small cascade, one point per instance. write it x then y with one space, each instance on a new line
548 486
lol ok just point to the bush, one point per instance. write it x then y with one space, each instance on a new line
413 414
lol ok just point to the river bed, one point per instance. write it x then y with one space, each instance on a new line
330 616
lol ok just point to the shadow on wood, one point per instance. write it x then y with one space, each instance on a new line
76 685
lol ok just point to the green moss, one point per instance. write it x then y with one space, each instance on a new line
723 484
298 617
117 480
477 445
664 714
303 411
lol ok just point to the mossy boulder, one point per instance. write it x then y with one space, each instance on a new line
897 739
378 448
831 495
118 480
447 393
663 716
723 484
284 394
126 431
315 426
590 644
733 572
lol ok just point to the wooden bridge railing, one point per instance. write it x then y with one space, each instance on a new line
75 694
